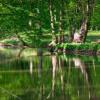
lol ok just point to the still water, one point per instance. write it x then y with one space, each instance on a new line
27 75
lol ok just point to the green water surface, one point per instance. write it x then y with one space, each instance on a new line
26 74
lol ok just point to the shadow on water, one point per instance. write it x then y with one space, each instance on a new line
32 74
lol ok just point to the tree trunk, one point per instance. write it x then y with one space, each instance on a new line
84 30
51 20
87 12
61 14
30 17
60 27
71 30
40 4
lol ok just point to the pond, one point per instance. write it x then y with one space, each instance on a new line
32 74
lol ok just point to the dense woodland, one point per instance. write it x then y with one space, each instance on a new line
35 22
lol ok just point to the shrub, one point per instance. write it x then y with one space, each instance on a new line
77 46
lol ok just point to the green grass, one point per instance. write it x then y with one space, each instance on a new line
93 36
10 41
78 48
91 43
43 40
94 33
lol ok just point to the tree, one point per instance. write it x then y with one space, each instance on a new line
51 19
87 10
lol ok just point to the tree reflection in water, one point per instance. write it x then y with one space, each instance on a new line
81 65
40 58
57 66
50 77
54 67
31 66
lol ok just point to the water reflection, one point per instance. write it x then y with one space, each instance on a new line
81 65
54 67
54 77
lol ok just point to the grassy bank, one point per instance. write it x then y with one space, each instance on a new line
79 48
45 39
93 36
41 41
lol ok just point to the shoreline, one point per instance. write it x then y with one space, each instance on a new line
82 49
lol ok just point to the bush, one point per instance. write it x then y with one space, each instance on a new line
77 46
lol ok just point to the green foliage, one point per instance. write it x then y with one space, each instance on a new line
99 47
95 19
78 46
23 16
11 42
